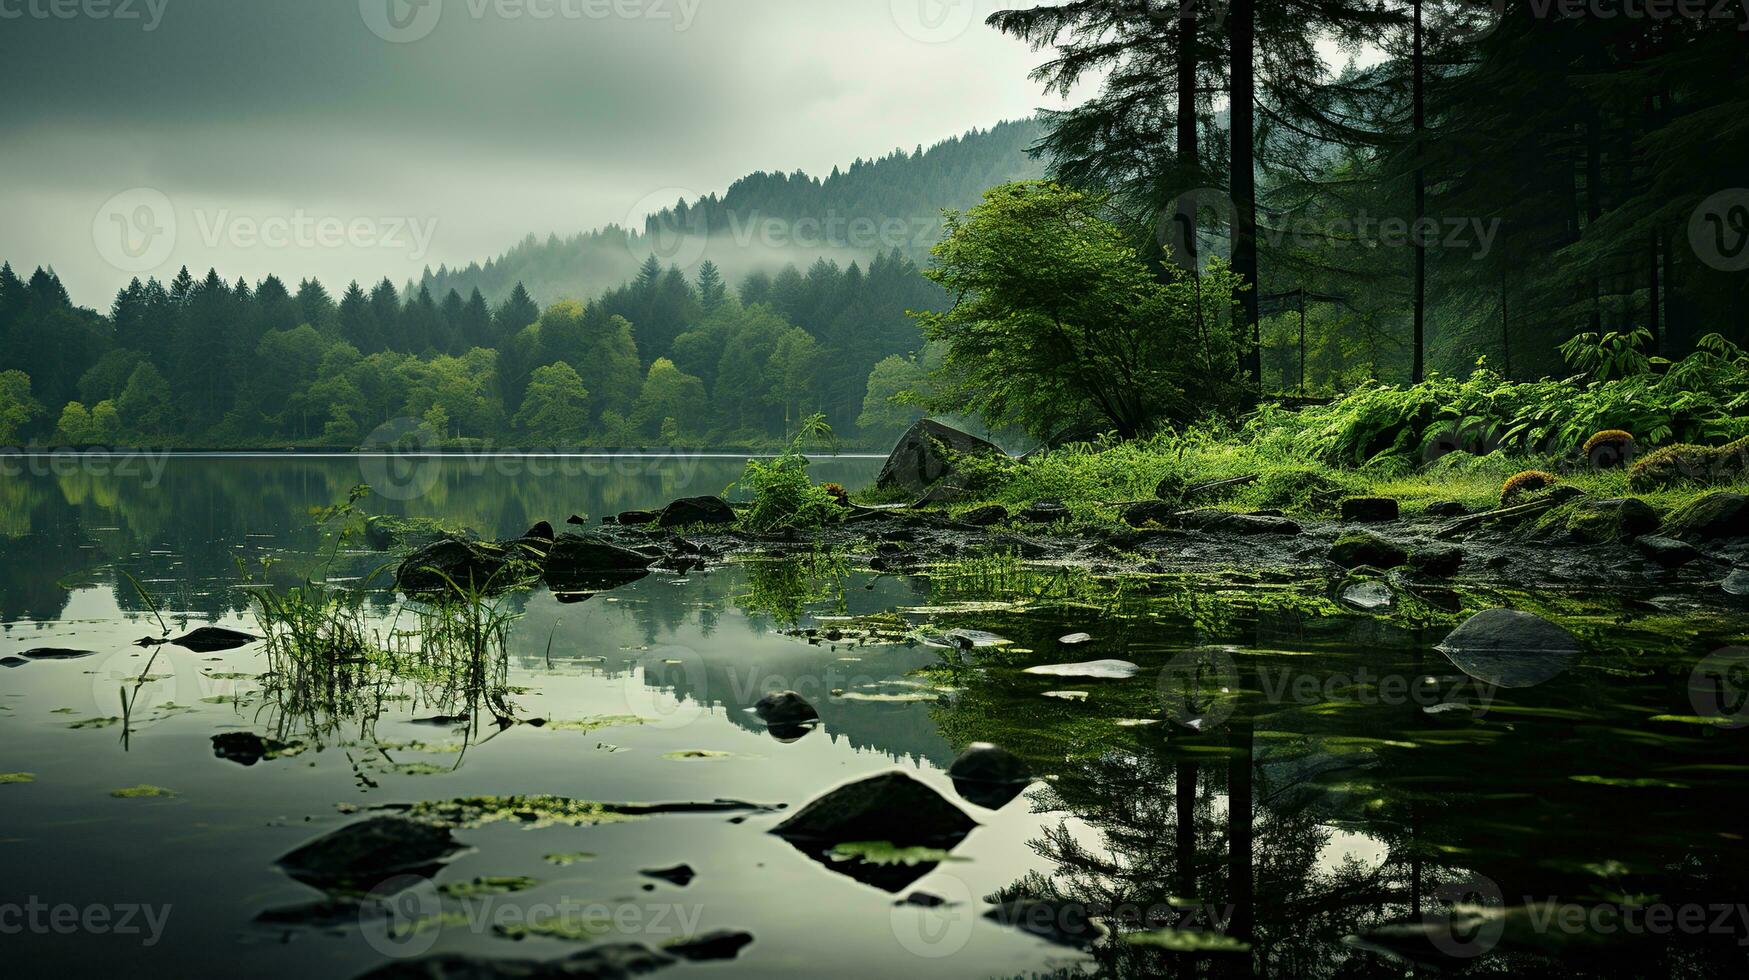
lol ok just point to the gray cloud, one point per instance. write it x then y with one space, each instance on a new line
501 117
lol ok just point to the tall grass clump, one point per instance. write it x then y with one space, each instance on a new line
783 496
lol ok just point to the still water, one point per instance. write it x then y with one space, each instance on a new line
1592 808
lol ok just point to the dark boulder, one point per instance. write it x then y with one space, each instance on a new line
1437 561
985 516
1227 522
360 856
1371 510
587 554
247 748
1508 648
989 776
1046 512
1711 518
689 511
214 639
636 518
1447 508
464 562
1667 552
891 807
542 531
1367 550
925 454
13 662
51 653
785 708
1160 512
680 875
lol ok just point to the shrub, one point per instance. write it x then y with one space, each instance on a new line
1525 483
783 495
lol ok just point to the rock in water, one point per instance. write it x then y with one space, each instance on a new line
637 518
891 807
1737 583
13 662
1226 522
1046 512
1508 648
212 639
785 708
1161 512
1589 521
1371 510
245 748
1369 596
1668 552
452 559
1447 508
616 961
989 776
1076 639
696 510
925 454
363 855
1713 517
1437 561
49 653
680 875
1110 670
587 554
719 945
1062 922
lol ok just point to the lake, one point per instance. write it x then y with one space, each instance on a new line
1265 782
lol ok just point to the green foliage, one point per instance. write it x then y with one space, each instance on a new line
1057 322
556 406
17 408
783 497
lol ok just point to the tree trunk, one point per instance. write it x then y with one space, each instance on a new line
1419 372
1189 161
1244 182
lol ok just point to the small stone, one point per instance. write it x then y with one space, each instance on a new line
719 945
985 516
1447 508
1046 512
1363 549
696 510
54 654
680 874
1437 561
1737 583
1369 596
785 708
1371 510
1076 639
1149 512
635 518
1098 669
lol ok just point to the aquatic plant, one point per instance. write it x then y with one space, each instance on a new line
783 496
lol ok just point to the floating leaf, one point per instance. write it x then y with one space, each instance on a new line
1187 941
566 860
596 724
885 853
141 792
1644 783
17 777
486 887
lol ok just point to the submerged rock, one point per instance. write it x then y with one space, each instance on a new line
617 961
363 855
1115 670
213 639
1363 549
1369 596
785 708
696 510
636 518
586 554
680 874
13 662
989 776
1371 510
723 944
1713 517
891 808
1437 561
1737 583
49 653
462 561
1508 648
247 748
1062 922
925 454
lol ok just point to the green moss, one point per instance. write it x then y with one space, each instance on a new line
141 792
487 887
13 778
533 811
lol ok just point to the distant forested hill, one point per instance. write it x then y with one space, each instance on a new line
768 220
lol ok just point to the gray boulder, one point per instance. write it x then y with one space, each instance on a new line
1668 552
696 510
1711 518
891 807
1227 522
925 454
1508 648
462 561
363 855
1371 510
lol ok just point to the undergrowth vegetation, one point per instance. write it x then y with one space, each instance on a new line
1444 439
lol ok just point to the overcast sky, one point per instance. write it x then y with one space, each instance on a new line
361 138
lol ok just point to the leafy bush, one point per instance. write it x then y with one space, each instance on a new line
783 495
